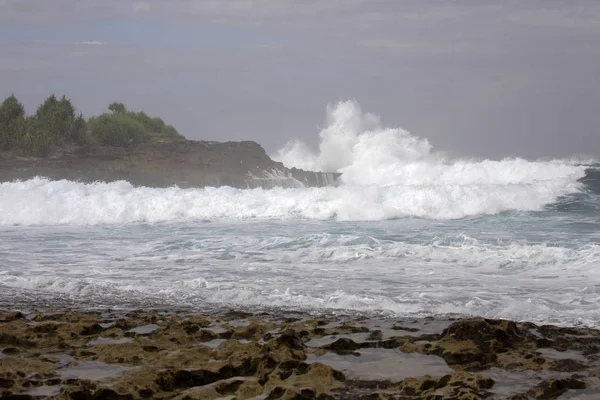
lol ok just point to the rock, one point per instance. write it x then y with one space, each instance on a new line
477 342
291 339
458 385
375 335
206 336
567 365
185 163
253 331
550 389
497 335
11 316
268 358
92 329
343 346
6 383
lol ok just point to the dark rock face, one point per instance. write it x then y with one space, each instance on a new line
184 163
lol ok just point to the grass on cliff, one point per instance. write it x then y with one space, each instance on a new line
55 126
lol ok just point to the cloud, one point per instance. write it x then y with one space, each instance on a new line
141 6
90 43
484 78
576 16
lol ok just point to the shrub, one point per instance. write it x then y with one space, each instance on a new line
35 141
118 130
12 123
57 119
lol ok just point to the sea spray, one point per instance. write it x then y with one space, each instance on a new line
357 145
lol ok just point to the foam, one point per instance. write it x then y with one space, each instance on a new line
326 272
43 202
357 145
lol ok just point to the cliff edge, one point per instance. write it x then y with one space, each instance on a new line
185 163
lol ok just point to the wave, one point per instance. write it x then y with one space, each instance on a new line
365 152
42 202
324 272
386 173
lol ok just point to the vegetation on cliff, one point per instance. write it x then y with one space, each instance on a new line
56 125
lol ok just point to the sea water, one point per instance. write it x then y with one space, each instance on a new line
404 232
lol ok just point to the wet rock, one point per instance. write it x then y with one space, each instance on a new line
567 365
343 346
206 335
498 335
291 339
477 342
11 316
92 329
404 328
458 385
6 383
47 328
253 331
199 320
550 389
375 335
265 356
190 378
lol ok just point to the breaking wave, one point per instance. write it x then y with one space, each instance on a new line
43 202
387 173
358 146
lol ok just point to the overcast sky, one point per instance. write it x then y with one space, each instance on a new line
477 78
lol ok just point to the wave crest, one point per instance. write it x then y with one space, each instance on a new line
357 145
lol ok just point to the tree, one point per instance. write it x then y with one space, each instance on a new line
12 123
79 132
117 108
56 118
35 141
118 130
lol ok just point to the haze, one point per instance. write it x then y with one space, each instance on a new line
477 78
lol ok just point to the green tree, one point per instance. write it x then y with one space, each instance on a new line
155 126
117 108
118 130
36 140
79 133
12 123
56 118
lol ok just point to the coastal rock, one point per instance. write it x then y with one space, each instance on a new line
476 343
185 163
79 355
343 346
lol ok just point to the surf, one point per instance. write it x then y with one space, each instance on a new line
385 173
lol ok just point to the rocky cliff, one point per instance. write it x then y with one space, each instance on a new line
184 163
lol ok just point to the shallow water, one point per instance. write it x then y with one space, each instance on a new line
382 364
91 370
518 266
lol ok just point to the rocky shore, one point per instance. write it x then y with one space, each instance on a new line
185 163
112 354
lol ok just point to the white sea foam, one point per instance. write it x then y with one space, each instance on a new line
43 202
357 145
323 272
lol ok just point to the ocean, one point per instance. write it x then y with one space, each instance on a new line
404 232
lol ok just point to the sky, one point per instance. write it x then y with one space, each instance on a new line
478 78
